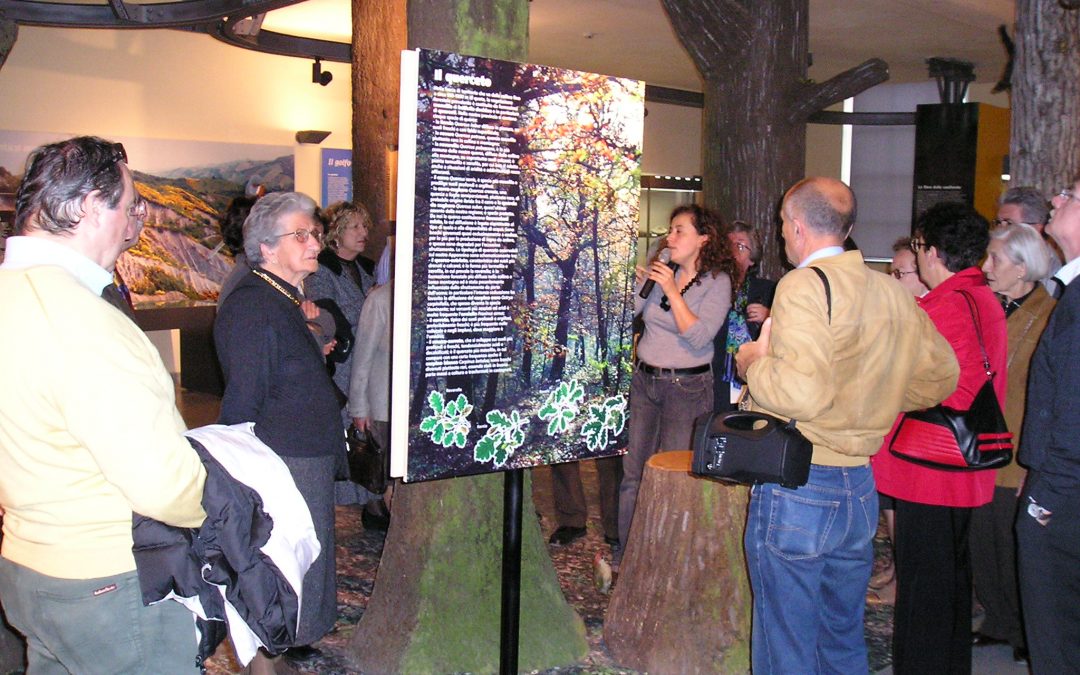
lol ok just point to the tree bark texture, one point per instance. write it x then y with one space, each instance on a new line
1044 150
752 56
378 38
682 600
435 605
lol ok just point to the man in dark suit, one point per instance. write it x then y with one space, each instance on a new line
1048 523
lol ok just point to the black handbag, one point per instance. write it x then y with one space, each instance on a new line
957 440
749 448
369 465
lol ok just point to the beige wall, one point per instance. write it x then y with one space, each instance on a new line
166 84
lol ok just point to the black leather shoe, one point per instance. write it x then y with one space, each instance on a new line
1020 655
566 535
980 640
375 518
302 653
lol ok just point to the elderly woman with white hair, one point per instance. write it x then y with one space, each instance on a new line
1017 258
275 376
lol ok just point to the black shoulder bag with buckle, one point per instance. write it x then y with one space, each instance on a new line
748 447
958 440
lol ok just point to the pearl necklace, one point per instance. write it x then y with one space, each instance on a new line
281 289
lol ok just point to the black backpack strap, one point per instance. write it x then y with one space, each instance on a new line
828 289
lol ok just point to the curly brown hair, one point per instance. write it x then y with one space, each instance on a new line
715 256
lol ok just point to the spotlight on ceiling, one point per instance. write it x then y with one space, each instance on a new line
320 76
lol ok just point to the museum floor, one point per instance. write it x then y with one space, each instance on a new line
358 553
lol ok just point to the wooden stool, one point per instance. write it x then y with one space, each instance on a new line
682 601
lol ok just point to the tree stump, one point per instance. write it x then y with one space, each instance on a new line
682 601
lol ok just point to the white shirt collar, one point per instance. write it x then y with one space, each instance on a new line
826 252
1069 272
25 252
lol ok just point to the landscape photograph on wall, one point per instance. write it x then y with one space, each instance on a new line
179 259
520 264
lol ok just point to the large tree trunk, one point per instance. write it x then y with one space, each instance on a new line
435 606
1045 147
378 38
752 55
436 603
682 601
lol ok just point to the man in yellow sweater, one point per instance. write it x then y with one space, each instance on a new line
89 431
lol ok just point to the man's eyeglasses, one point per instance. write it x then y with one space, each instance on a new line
1066 193
915 245
900 274
301 235
1005 222
138 210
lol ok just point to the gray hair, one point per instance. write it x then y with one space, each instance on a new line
58 178
261 226
753 235
1023 245
1034 208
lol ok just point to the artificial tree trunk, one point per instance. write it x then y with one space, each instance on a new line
435 607
753 57
1044 151
682 601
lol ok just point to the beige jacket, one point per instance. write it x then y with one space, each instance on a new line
1025 327
845 381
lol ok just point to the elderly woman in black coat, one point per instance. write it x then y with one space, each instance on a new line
275 376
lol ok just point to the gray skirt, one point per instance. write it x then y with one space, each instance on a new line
314 477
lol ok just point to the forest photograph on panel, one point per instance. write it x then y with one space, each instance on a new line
525 227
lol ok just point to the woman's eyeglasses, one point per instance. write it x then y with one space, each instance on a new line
301 235
916 244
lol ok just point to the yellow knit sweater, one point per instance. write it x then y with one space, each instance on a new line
89 430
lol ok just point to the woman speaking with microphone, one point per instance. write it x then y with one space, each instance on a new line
682 312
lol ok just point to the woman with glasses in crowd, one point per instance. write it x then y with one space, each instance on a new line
275 376
932 619
749 309
1017 259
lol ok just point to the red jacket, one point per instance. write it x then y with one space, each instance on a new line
949 311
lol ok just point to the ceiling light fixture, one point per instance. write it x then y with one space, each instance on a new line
320 76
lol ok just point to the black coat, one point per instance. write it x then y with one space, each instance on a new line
274 372
172 559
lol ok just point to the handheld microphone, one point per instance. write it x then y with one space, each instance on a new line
664 257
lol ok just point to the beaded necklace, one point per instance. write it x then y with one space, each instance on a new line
281 289
666 306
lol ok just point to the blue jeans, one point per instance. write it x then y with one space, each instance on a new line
810 552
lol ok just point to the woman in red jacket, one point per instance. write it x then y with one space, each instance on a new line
932 624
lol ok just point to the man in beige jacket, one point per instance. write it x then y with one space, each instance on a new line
842 358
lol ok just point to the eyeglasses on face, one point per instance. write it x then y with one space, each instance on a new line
900 274
302 235
916 244
1006 222
739 246
138 210
1066 194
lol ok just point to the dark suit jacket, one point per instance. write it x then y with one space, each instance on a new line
1050 444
